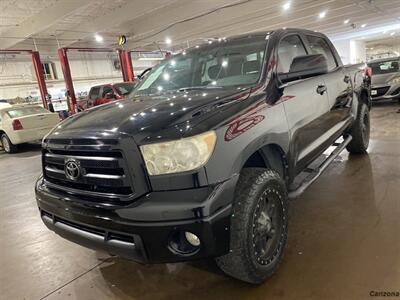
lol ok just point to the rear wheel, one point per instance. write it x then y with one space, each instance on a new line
360 131
258 226
8 146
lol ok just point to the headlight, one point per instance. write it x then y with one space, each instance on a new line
179 156
395 80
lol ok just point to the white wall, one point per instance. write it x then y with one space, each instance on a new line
383 51
351 51
358 52
17 76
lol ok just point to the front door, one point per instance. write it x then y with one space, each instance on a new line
306 105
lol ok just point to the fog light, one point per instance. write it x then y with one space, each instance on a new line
192 239
183 243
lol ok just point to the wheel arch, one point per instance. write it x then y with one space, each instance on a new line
2 131
270 156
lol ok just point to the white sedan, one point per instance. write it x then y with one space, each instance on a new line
24 123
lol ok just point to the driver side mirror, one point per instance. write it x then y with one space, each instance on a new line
110 95
305 66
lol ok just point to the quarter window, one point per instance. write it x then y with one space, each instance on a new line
289 48
319 46
94 93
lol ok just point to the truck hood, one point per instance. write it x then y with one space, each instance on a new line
149 118
383 79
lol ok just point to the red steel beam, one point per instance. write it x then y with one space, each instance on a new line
130 76
62 54
14 51
37 65
122 63
89 49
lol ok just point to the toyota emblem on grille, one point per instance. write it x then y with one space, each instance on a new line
72 169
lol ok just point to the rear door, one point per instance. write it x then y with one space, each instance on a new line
337 82
305 109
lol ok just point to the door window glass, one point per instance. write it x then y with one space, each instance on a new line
385 67
319 46
106 90
94 93
289 48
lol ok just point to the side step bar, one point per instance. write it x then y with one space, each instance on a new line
315 173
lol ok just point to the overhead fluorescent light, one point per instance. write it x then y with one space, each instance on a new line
98 38
286 6
322 14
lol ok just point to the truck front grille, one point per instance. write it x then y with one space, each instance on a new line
96 174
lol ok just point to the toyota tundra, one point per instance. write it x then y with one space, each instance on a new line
201 158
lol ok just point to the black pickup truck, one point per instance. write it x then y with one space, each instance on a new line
201 159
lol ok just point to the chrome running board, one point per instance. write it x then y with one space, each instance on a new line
315 173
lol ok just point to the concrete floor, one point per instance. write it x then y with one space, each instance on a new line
343 242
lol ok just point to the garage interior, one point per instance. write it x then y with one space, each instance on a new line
343 240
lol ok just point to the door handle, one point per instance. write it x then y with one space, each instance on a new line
347 79
321 89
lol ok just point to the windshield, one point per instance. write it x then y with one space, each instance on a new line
385 67
221 64
124 88
26 111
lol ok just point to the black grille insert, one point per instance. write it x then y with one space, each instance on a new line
380 91
102 173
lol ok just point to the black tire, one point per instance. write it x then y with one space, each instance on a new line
260 193
360 131
8 146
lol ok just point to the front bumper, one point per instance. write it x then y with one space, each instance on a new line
142 230
385 92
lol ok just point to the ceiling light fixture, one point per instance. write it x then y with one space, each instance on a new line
392 34
363 25
98 38
168 41
322 14
286 6
346 21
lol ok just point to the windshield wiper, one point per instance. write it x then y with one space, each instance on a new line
205 87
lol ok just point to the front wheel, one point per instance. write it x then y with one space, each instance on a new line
360 131
8 146
259 226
